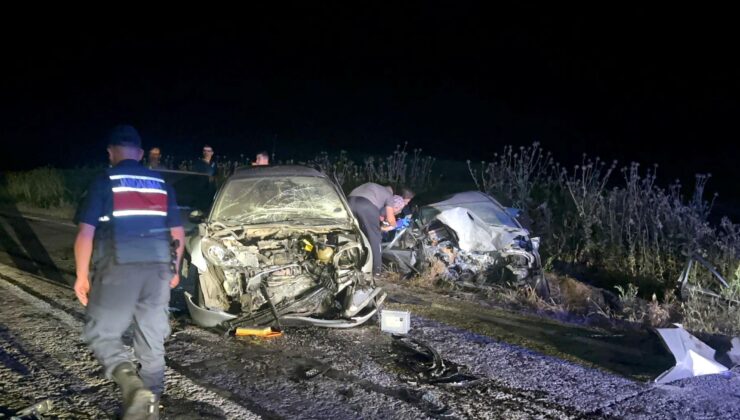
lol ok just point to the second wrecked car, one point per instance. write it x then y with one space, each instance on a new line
280 246
476 239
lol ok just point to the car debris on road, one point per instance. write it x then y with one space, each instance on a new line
693 357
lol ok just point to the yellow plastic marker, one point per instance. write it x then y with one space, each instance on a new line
267 332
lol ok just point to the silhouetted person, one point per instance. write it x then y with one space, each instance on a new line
262 159
155 159
206 165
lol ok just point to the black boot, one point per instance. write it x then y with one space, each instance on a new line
138 401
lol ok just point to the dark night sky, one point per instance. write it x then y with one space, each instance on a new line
657 85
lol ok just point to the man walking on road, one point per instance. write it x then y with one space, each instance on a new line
130 228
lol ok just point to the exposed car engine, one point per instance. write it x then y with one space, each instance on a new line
282 267
281 246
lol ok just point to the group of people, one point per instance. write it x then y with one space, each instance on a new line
205 165
130 230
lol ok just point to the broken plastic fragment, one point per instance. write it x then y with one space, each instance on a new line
395 322
693 357
35 411
427 364
734 353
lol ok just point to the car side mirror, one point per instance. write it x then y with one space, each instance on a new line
513 212
196 216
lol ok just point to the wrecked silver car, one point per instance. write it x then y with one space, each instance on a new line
280 246
476 240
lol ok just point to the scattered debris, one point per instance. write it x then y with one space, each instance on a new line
712 290
395 322
427 364
734 353
693 357
35 411
309 372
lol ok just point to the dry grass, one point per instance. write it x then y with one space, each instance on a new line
715 315
620 223
42 187
569 299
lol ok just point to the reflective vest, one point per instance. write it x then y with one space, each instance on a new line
137 229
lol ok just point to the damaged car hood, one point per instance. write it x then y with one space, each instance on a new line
475 235
475 238
281 245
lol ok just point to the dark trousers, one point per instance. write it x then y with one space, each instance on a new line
369 218
119 295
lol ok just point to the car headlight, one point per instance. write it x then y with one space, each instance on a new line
217 254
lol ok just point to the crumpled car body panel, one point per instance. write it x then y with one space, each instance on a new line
475 238
281 247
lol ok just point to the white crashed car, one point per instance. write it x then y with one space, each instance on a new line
280 247
478 241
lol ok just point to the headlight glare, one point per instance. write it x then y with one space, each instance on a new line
217 254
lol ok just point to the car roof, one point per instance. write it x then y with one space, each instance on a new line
496 214
275 171
465 198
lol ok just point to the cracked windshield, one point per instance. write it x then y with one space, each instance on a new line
302 200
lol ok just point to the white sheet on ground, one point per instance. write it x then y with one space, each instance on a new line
475 235
693 357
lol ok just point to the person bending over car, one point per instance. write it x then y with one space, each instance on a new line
367 202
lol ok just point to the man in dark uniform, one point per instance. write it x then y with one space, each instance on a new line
367 202
206 165
128 225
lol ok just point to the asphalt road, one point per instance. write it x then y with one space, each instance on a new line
309 372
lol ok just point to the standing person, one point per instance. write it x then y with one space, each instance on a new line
206 165
262 159
367 202
130 227
155 159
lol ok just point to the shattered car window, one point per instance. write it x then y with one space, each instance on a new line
298 199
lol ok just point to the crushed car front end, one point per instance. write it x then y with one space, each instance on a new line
475 240
281 247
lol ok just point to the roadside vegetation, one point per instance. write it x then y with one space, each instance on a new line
617 229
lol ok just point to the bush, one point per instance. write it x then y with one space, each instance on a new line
46 187
629 226
397 169
41 187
